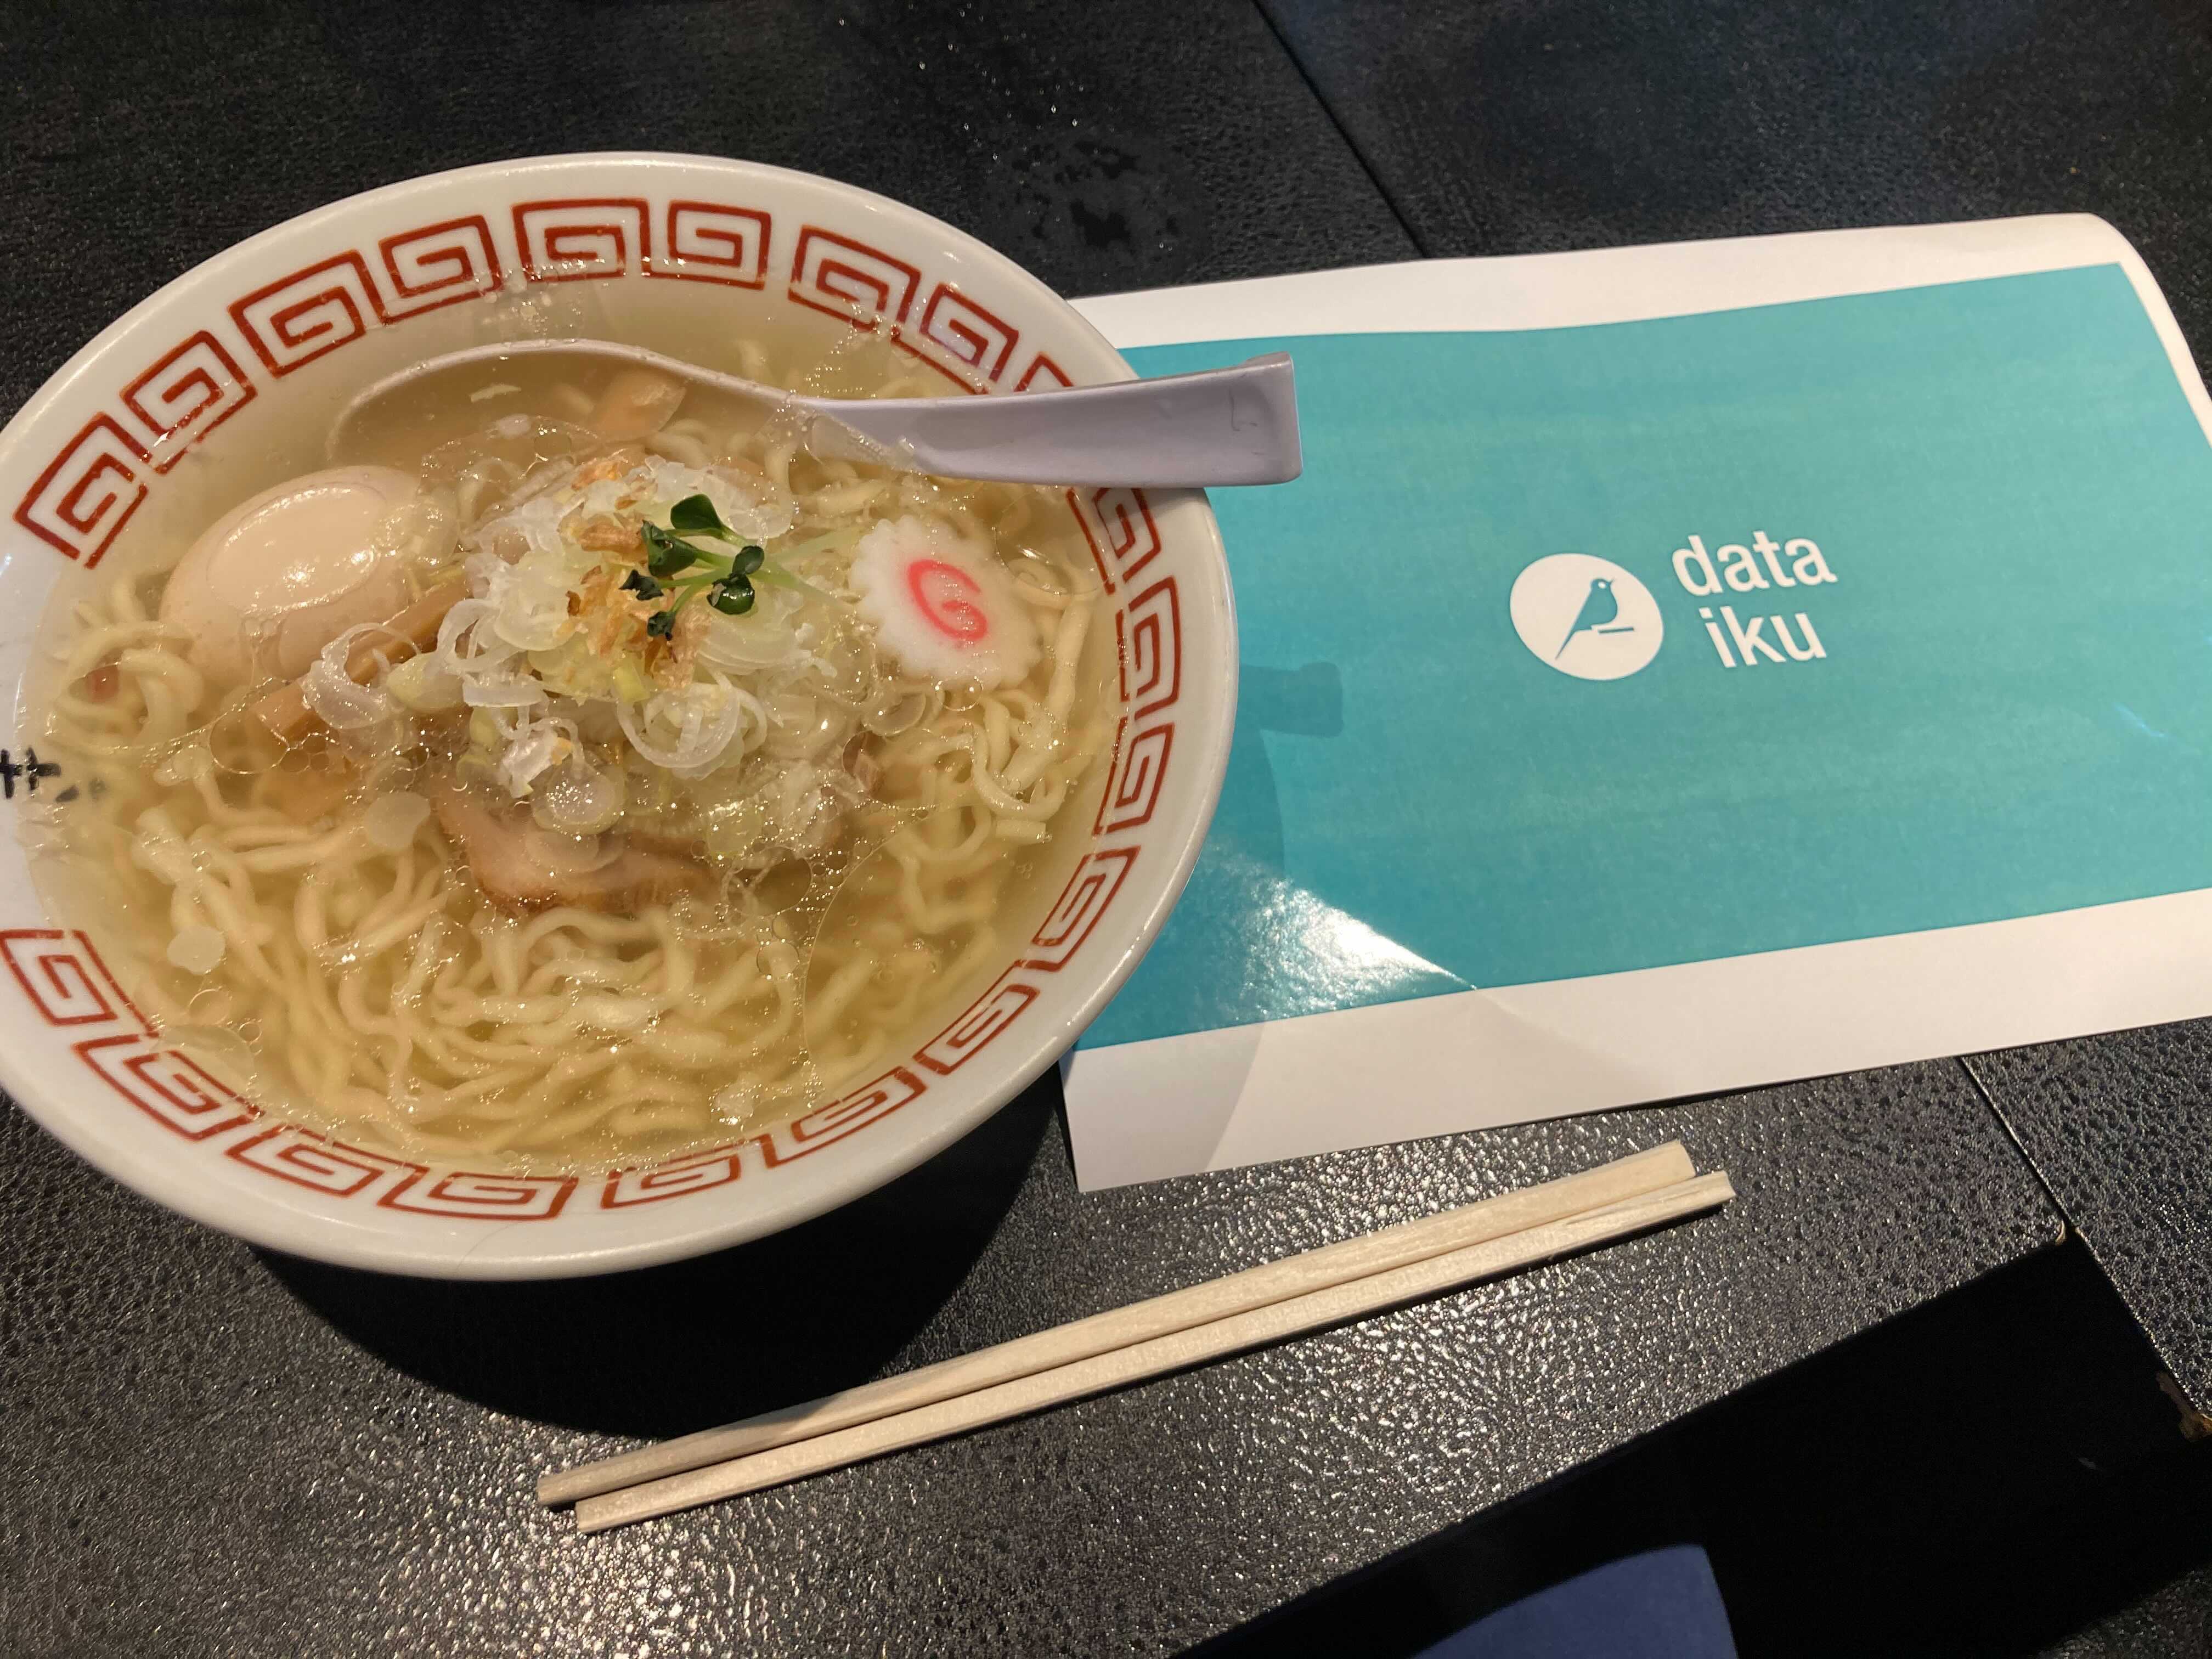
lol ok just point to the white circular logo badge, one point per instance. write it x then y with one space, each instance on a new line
1586 617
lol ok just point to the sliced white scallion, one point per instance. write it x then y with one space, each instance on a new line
196 949
579 798
502 690
423 685
538 748
332 693
392 820
748 507
689 731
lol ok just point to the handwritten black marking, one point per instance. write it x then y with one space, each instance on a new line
28 771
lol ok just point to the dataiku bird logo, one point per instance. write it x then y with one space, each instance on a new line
1599 610
1586 617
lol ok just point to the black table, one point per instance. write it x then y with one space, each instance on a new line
212 1449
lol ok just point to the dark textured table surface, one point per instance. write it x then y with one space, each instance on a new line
214 1450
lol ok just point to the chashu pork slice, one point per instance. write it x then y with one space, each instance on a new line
523 867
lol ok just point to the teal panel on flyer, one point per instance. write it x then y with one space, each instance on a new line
1904 596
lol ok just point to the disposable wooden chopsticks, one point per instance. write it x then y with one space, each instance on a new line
1219 1298
1175 1351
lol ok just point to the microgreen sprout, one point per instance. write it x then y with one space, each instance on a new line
695 516
724 578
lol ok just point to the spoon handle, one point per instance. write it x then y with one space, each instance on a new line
1220 426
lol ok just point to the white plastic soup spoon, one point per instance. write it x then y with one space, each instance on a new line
1221 426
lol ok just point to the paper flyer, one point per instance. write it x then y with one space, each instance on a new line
1681 669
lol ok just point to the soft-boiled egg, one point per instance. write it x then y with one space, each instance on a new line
272 581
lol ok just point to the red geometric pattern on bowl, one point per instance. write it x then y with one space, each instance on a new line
1133 787
846 1116
440 264
1148 637
88 492
305 1159
292 321
710 242
1041 372
1117 524
695 1172
863 285
580 238
64 978
978 340
1082 903
983 1019
199 383
100 477
67 983
170 1087
97 480
482 1197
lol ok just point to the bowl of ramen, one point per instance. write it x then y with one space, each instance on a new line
564 822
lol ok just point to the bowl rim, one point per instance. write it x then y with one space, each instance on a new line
344 1242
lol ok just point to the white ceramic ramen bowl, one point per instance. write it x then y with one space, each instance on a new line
257 346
